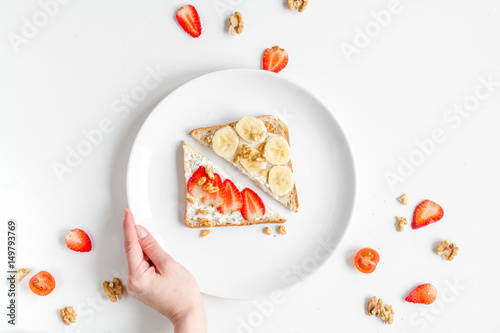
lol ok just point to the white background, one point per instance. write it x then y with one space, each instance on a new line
67 76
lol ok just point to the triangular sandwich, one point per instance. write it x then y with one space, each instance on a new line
213 199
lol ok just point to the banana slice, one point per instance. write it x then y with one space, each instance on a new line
280 180
255 168
277 150
225 141
251 129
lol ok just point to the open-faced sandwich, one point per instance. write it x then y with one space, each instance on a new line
213 199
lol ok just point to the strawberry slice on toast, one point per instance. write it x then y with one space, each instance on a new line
234 199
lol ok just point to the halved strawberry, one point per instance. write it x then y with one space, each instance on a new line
427 212
217 198
78 240
193 188
275 59
253 206
234 200
423 294
188 18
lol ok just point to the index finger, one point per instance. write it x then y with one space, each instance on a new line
133 249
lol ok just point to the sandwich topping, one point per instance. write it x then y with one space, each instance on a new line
217 201
262 154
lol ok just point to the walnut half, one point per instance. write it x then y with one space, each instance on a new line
113 289
68 315
447 250
298 4
236 24
377 308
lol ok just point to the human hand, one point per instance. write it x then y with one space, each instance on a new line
157 280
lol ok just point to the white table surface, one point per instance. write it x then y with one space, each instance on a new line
71 74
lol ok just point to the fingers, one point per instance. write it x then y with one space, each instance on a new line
152 249
133 249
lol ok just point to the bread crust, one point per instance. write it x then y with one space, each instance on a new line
275 218
290 199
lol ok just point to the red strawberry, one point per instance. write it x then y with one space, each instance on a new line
427 212
234 200
217 198
423 294
274 59
253 206
193 188
189 20
78 240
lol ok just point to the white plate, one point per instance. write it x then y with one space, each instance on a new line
243 262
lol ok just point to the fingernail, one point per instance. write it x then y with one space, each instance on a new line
141 231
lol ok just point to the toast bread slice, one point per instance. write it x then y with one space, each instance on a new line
192 161
275 126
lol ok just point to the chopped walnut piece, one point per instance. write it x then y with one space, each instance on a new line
377 309
68 315
282 229
201 181
267 230
236 158
270 128
205 232
258 136
113 289
206 222
213 189
209 172
191 200
447 250
401 222
199 211
403 199
20 274
206 212
262 145
298 4
236 24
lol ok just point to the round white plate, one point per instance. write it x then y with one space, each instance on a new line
243 262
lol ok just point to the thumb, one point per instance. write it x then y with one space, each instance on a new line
152 249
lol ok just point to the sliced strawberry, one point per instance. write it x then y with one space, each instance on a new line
427 212
78 240
193 188
234 200
217 198
253 206
423 294
189 20
275 59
